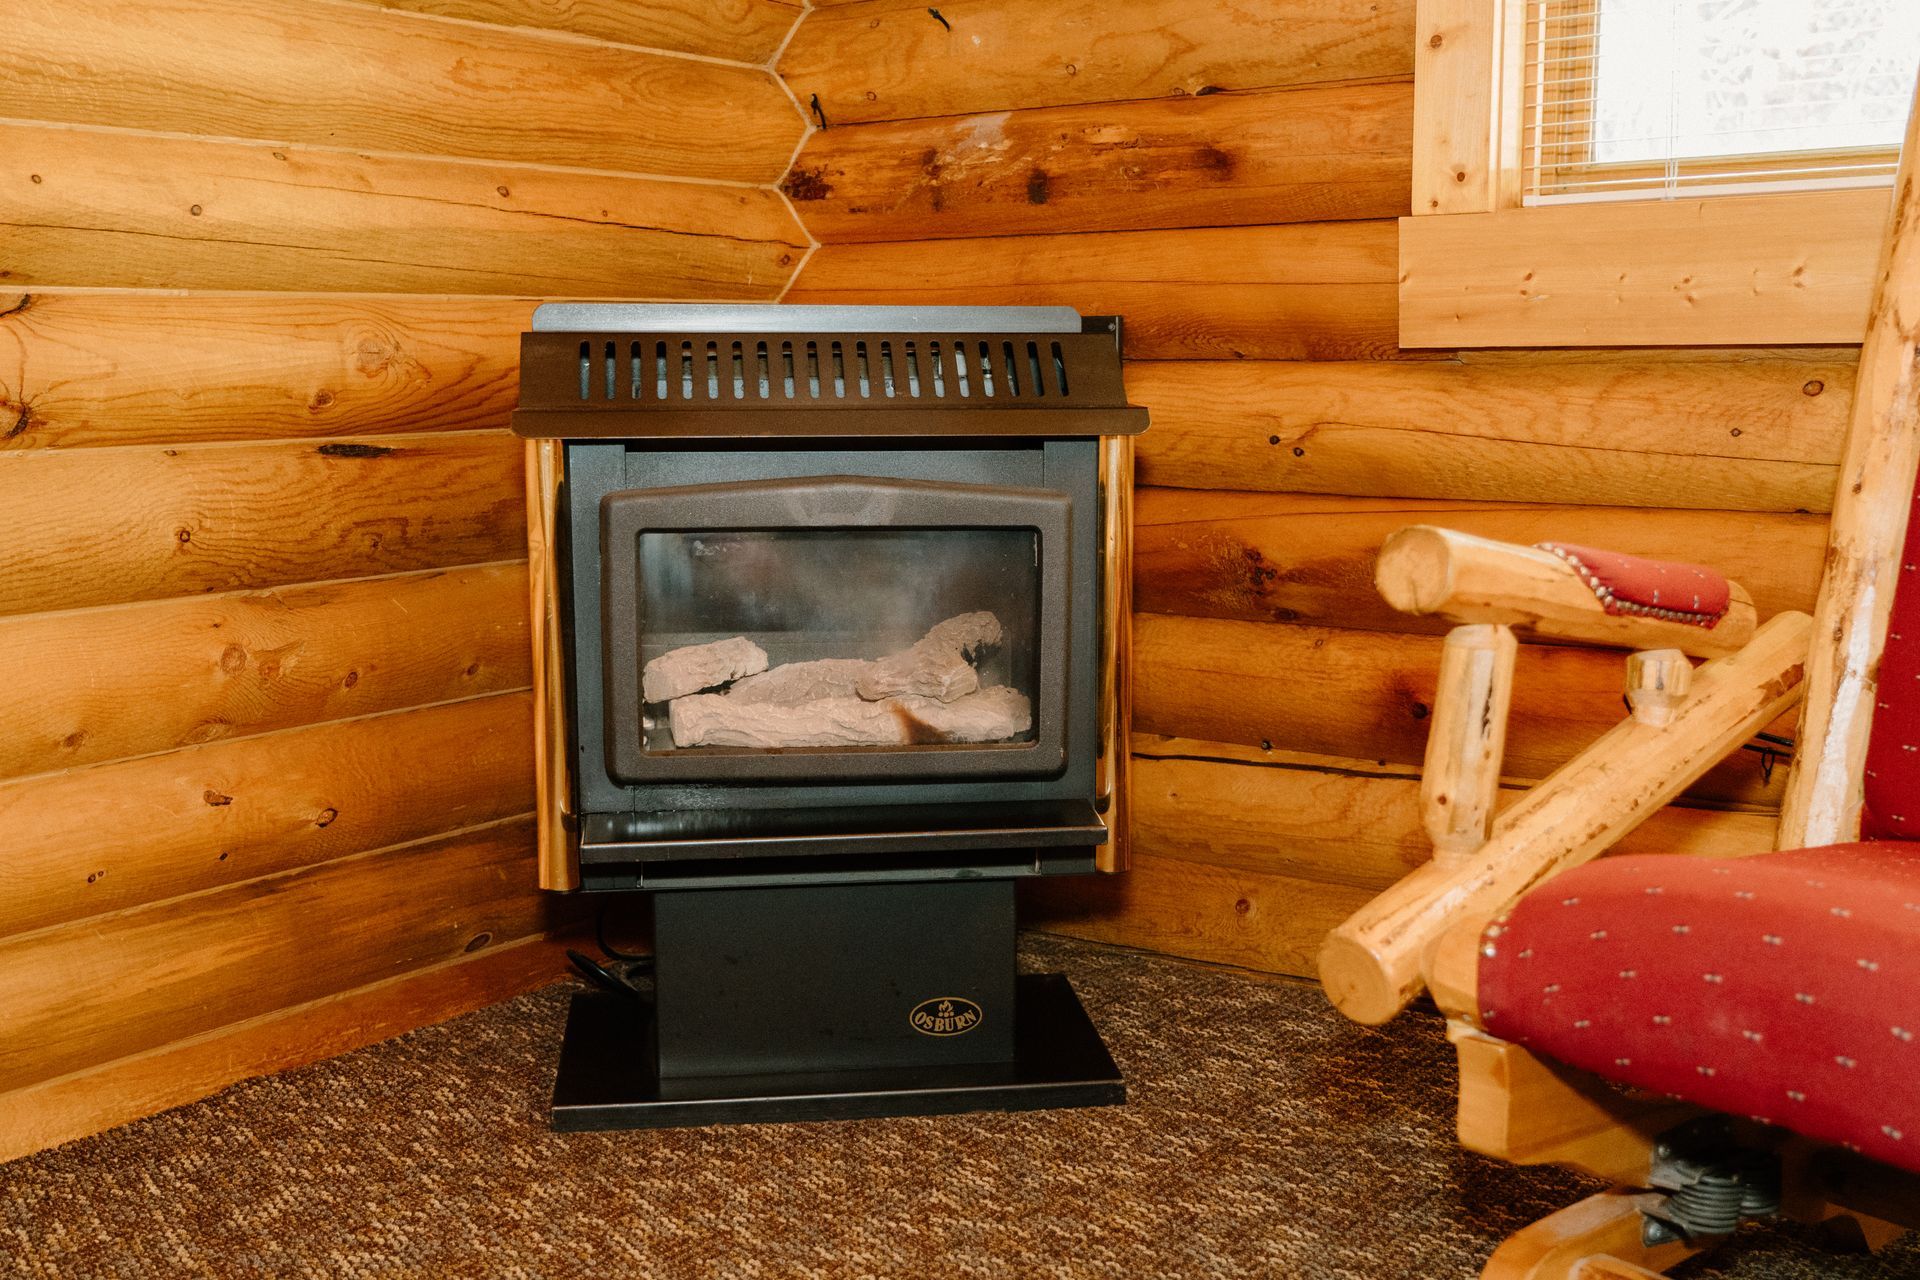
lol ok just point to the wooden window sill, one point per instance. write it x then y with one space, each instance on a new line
1724 270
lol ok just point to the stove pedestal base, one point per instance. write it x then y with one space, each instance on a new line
609 1076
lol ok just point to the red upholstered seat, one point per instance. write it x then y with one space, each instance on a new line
1784 986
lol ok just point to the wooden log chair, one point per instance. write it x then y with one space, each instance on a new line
1720 1039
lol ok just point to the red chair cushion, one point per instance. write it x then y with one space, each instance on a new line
1656 588
1784 986
1893 758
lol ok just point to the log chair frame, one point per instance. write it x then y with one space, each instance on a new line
1524 1109
1517 1107
1680 727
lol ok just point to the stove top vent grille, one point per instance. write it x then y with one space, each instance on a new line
578 384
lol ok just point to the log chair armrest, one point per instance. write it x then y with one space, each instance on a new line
1423 569
1370 965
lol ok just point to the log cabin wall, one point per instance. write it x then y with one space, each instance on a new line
1227 176
265 747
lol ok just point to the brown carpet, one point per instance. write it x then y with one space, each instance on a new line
1265 1137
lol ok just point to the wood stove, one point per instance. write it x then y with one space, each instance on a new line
831 609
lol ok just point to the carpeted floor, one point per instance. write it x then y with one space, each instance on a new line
1264 1137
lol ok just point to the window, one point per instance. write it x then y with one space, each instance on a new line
1639 99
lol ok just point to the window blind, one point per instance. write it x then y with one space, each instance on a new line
1641 99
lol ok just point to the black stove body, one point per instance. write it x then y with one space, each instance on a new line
834 624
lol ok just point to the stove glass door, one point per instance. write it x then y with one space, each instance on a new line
896 638
835 627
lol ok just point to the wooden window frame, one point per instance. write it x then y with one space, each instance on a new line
1566 101
1479 270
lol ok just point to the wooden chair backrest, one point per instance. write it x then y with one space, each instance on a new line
1871 502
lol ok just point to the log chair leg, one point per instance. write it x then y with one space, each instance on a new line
1460 781
1604 1230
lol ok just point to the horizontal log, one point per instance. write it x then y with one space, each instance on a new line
216 959
1311 291
1433 571
691 668
1784 268
83 527
119 368
113 836
105 684
1249 858
1253 920
1723 432
1347 822
742 30
139 211
1369 695
888 60
1324 154
361 78
1279 557
1350 822
1370 965
998 714
143 1084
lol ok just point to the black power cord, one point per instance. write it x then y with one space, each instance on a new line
600 936
619 981
598 975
